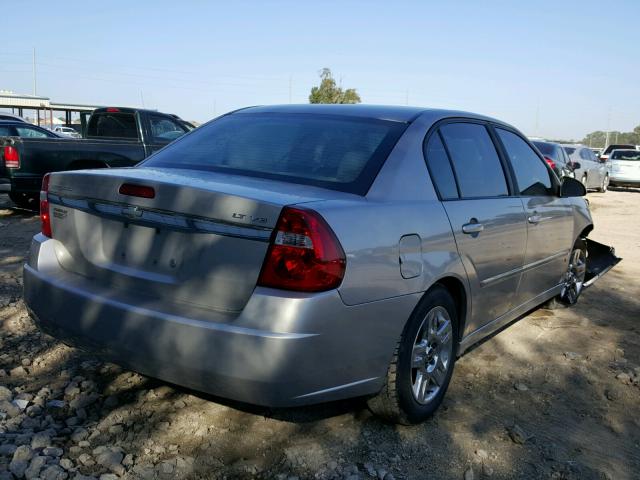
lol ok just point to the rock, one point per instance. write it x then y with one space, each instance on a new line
115 429
83 400
381 473
624 378
370 469
33 470
572 355
389 476
111 459
108 476
7 449
518 435
86 460
612 395
79 434
56 404
18 372
111 401
53 472
487 471
5 393
469 474
25 362
22 453
9 409
127 461
41 440
66 463
482 454
18 467
52 452
522 387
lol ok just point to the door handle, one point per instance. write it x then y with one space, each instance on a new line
472 228
534 219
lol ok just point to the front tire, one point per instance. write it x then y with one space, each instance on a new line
605 184
422 363
573 278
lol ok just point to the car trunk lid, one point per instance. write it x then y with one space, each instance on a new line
201 240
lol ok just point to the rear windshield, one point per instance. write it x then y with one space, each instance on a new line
611 148
569 150
336 152
625 155
549 150
112 125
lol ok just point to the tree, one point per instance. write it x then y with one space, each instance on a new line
329 92
599 138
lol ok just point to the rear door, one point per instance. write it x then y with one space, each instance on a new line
487 221
549 217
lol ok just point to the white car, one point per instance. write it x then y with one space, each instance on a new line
66 131
625 168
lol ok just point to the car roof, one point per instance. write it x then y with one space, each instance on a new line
546 142
380 112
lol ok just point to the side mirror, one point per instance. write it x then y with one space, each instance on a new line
571 187
575 165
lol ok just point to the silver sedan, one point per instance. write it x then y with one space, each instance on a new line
291 255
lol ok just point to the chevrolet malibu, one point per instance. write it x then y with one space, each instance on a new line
291 255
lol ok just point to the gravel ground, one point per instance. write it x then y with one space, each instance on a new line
557 395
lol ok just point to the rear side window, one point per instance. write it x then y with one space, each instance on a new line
532 175
113 125
475 160
440 168
337 152
5 132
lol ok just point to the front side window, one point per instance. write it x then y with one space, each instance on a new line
27 132
440 168
113 125
475 160
532 175
164 129
336 152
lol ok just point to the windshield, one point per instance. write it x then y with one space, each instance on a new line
626 155
337 152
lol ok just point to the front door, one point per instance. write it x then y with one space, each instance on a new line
549 218
488 223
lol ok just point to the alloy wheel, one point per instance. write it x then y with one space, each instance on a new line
432 355
574 277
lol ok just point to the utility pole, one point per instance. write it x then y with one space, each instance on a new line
35 89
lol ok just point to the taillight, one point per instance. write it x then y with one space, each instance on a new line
551 163
304 254
11 157
45 218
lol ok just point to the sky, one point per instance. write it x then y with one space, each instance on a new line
553 69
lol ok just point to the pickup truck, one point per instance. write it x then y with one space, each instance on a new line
114 137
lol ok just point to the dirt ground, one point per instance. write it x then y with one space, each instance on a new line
557 395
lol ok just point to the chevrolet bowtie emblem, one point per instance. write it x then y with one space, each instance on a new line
132 212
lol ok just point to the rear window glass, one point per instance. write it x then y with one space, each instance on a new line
625 155
336 152
569 150
113 125
545 148
475 160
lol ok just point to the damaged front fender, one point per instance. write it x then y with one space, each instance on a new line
600 259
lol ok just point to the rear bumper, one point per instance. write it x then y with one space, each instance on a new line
624 181
21 184
282 350
5 185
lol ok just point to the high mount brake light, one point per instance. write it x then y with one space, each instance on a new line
304 254
136 190
11 157
45 218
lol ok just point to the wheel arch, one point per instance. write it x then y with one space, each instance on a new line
457 289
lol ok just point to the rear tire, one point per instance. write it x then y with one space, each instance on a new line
573 278
422 363
584 180
25 200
